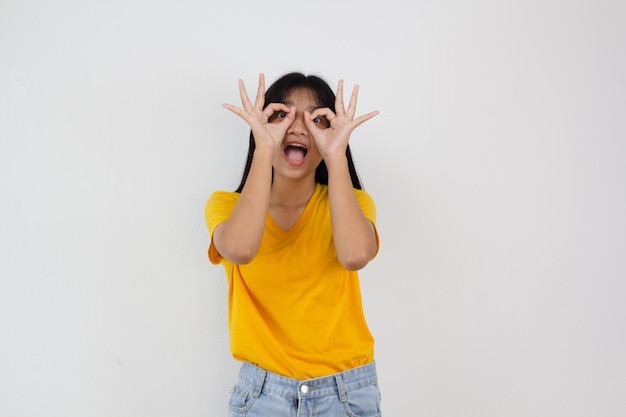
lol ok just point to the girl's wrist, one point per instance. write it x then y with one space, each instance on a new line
264 150
336 162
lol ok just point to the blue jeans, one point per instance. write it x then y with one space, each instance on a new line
259 393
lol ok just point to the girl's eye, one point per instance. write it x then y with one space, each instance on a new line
317 120
282 114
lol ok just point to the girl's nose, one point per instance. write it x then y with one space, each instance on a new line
298 127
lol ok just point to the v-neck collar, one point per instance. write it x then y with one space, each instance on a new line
306 213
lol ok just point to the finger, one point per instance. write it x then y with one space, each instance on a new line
239 112
339 99
274 107
352 105
310 124
323 112
291 116
356 122
244 96
260 93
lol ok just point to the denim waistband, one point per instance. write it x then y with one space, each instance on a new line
260 380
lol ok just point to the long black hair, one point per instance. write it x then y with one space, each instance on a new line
324 96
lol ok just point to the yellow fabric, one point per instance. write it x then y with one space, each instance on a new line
294 310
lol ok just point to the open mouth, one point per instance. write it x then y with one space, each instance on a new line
295 153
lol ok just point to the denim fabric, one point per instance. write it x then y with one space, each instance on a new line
259 393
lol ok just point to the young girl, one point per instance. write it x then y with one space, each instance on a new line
291 239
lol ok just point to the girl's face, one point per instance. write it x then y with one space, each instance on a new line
298 157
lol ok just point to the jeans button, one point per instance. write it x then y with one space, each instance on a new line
304 389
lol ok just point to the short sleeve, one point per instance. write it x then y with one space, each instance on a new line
218 210
369 211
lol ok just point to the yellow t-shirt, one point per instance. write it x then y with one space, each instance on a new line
295 310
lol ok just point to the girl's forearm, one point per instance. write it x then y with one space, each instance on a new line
353 234
239 238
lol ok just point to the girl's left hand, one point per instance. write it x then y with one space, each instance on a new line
333 140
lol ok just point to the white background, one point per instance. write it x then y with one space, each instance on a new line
498 165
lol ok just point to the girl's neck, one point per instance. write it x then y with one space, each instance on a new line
286 192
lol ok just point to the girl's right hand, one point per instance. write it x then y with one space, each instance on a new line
266 134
